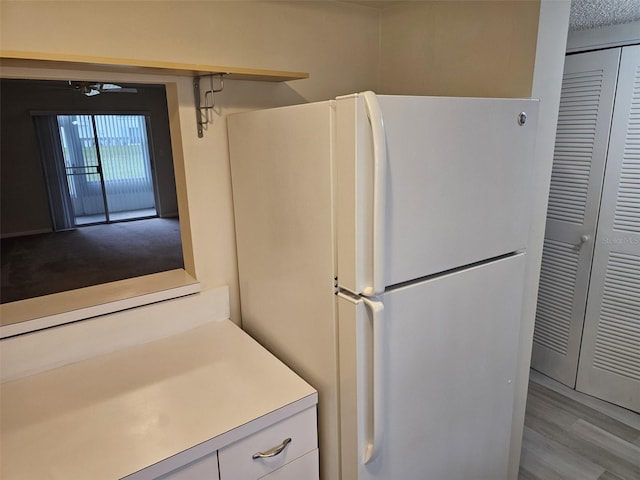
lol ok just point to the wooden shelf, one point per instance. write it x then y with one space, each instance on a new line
123 65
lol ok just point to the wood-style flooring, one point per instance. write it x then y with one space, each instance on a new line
572 436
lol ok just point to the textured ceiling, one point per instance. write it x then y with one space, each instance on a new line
584 13
597 13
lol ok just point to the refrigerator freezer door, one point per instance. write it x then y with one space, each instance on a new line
450 361
458 184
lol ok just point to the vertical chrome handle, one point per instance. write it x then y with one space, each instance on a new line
374 442
374 114
273 451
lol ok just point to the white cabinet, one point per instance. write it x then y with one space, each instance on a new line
185 407
298 469
287 449
270 449
205 468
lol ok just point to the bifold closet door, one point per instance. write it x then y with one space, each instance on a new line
586 105
610 356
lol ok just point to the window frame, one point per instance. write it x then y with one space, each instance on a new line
30 315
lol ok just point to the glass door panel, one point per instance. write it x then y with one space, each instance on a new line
126 166
83 169
108 169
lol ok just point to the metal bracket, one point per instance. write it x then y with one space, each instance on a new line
203 117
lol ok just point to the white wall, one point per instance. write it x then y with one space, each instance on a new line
547 83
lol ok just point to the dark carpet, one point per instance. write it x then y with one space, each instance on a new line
38 265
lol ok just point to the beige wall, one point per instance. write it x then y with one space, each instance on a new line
336 43
459 48
444 48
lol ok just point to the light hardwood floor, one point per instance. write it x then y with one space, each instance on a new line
572 436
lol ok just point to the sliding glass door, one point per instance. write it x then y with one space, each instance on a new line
83 169
102 171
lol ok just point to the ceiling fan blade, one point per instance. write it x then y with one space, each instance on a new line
121 90
113 88
90 89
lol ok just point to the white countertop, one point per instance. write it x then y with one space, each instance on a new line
113 415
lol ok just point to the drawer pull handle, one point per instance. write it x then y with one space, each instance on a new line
274 451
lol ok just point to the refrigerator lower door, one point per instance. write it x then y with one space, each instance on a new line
449 356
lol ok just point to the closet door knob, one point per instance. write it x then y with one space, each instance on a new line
584 239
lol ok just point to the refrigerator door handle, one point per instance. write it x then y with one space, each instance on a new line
374 114
374 442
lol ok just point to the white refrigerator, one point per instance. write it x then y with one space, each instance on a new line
381 248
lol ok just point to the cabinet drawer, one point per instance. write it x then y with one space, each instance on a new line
237 462
205 468
303 468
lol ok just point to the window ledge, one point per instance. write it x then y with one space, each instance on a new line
51 310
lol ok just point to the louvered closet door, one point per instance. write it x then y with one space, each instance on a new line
610 357
586 105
